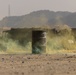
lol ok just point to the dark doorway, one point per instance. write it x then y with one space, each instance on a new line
38 42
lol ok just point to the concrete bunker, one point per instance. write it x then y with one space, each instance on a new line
36 35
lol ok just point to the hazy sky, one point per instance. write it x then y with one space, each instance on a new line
22 7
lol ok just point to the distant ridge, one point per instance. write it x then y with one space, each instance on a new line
40 18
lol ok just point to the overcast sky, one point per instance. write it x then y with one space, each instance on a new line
22 7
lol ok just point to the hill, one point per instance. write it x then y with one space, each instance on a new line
40 18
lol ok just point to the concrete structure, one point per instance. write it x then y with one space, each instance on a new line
38 36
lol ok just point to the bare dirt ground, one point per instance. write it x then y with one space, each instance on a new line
29 64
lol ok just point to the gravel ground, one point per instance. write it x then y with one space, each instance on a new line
40 64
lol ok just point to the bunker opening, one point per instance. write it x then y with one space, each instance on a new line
38 41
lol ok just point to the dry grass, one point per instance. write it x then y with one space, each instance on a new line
61 43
